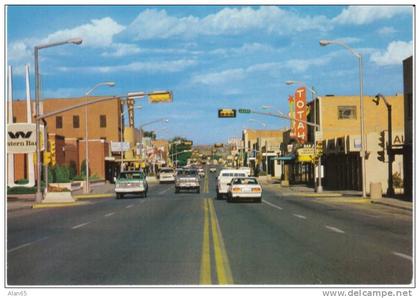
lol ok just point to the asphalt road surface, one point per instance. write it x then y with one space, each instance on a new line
194 239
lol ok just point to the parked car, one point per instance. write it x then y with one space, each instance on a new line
131 182
225 177
244 188
212 170
187 179
166 175
247 169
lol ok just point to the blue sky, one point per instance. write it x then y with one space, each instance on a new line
210 57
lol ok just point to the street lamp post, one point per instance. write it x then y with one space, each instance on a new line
362 127
77 41
109 84
317 188
122 136
390 191
141 133
257 121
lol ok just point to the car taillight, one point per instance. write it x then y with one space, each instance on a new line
256 189
236 189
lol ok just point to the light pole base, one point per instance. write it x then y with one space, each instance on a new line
319 188
38 197
86 188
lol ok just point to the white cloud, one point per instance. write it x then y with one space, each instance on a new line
386 31
395 53
121 50
98 33
247 48
360 15
144 67
229 76
228 21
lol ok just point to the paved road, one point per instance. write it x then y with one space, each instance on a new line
191 239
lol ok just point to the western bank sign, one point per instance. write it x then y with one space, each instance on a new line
21 138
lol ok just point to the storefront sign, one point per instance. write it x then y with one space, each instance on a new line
292 115
21 138
300 115
120 146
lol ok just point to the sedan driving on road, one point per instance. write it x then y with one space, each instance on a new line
244 188
131 182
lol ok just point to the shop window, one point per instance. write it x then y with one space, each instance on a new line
59 122
76 123
347 112
102 121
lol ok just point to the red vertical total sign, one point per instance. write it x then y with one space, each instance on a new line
300 115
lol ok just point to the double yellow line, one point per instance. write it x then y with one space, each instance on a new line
206 183
223 272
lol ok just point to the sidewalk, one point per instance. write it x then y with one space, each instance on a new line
345 195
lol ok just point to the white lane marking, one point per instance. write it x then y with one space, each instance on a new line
79 226
109 214
272 205
163 191
26 244
129 206
334 229
299 216
401 255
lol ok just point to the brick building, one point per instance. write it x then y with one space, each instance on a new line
67 131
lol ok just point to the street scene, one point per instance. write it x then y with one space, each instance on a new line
209 146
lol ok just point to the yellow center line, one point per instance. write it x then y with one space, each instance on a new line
224 274
205 272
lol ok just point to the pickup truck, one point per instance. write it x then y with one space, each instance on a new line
187 179
131 182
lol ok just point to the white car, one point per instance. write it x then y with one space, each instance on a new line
201 172
212 170
244 188
166 175
225 177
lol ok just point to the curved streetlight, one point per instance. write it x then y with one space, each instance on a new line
141 131
76 41
324 42
314 97
109 84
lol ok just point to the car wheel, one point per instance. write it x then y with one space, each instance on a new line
229 199
198 190
145 194
258 200
117 196
176 190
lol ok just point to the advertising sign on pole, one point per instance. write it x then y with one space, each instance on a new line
300 115
291 115
120 146
21 138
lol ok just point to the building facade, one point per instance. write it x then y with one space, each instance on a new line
67 132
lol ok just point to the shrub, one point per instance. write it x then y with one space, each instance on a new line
22 181
83 168
79 178
62 174
72 169
20 190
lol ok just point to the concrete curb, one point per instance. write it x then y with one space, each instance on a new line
56 205
391 205
94 196
313 195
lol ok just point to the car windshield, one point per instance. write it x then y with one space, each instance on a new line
166 171
187 172
244 181
131 175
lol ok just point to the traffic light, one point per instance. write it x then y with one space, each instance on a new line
244 111
52 151
382 146
47 158
227 113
